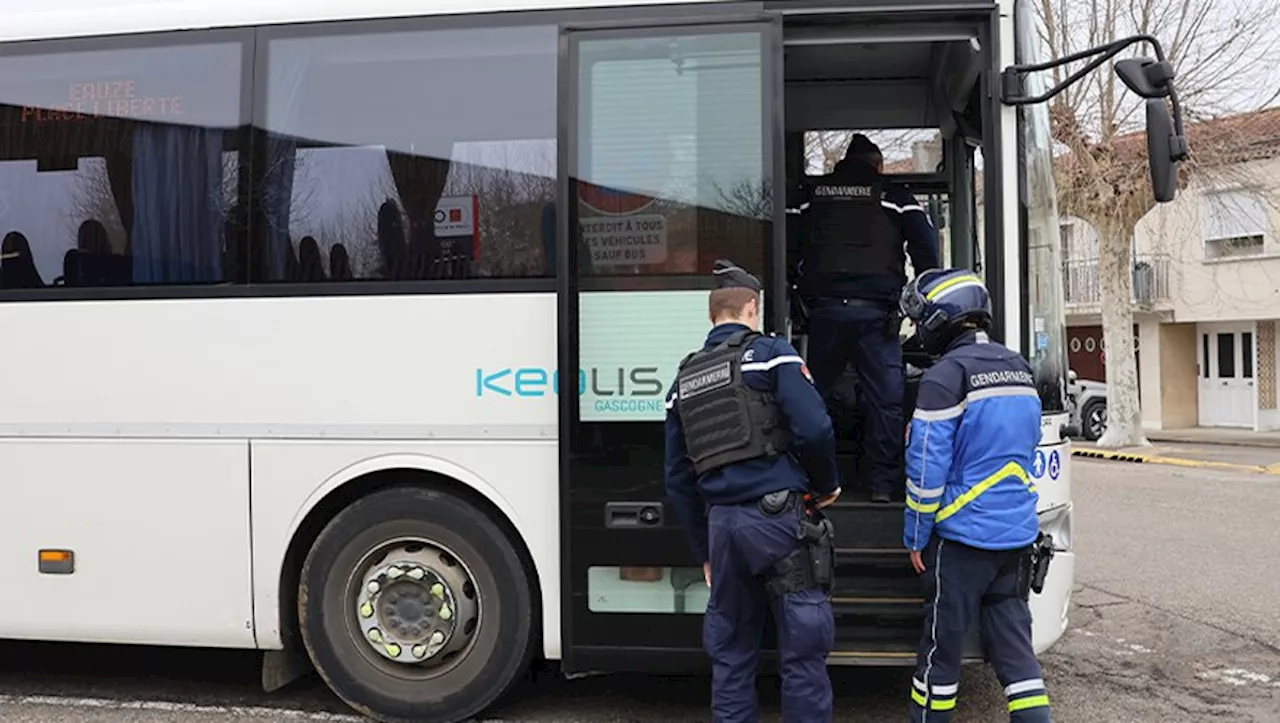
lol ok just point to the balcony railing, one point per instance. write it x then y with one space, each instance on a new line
1150 281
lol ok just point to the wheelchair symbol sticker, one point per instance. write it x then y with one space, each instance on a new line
1055 465
1038 466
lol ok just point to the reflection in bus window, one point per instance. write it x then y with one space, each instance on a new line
420 155
671 165
117 167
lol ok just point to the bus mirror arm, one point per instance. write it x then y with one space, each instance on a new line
1151 79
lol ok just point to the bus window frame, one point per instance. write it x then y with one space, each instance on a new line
253 63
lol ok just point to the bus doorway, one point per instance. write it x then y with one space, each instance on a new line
915 91
698 131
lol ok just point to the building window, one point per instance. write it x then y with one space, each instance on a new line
1204 355
409 155
1226 356
117 166
1235 224
1246 355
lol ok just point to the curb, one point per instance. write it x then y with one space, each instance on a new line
1264 444
1140 458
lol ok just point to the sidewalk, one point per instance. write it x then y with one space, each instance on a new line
1208 435
1203 448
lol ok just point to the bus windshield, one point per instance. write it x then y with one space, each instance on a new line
1037 198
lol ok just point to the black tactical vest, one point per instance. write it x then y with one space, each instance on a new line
849 233
725 421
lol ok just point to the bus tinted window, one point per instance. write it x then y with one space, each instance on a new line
410 155
671 159
117 167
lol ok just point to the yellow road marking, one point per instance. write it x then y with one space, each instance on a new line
1140 457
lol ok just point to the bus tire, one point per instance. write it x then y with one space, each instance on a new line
452 558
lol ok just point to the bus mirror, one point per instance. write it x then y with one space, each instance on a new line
1146 77
1161 154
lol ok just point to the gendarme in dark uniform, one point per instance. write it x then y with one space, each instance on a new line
747 436
853 224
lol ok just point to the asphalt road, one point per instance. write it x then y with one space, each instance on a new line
1175 618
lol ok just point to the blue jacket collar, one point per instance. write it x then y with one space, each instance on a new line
972 336
721 332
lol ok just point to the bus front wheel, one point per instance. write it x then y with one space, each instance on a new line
414 606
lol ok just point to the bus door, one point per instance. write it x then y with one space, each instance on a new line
669 146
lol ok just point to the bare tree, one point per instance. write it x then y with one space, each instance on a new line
824 149
1222 51
746 199
513 186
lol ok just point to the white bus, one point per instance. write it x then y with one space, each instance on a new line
298 391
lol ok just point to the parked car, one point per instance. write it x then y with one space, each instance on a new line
1088 402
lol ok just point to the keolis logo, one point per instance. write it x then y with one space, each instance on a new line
600 381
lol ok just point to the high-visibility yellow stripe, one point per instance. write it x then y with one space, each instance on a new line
922 509
1035 701
918 697
933 294
1013 469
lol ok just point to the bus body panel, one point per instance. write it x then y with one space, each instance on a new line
1049 608
1051 470
291 476
159 529
1011 290
424 366
140 462
1051 474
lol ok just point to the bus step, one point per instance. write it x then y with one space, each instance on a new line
890 602
881 576
890 611
869 645
872 658
860 526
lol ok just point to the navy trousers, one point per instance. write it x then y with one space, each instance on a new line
840 333
959 582
744 542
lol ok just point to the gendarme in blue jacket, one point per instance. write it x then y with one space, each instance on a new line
769 364
972 439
